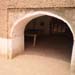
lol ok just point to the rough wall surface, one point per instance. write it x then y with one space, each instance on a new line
16 14
3 23
29 4
13 10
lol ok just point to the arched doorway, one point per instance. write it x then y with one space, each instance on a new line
17 31
47 33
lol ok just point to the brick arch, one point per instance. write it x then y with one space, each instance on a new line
17 32
21 23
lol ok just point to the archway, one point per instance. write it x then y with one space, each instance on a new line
47 33
17 31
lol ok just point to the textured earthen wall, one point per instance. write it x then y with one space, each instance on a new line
6 4
13 10
3 23
37 3
16 14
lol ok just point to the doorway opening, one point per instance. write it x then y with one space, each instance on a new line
45 37
49 36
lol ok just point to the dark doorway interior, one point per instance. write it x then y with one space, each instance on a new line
49 35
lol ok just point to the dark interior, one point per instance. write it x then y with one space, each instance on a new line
52 34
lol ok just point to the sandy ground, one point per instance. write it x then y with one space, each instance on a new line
45 59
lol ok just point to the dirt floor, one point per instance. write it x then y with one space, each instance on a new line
48 57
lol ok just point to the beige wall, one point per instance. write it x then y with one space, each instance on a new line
3 23
15 14
36 4
10 16
13 10
44 19
16 32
